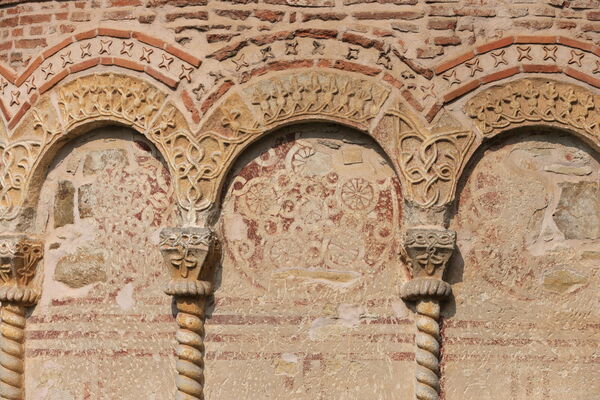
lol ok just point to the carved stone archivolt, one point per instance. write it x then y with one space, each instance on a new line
19 257
430 160
428 251
533 100
189 253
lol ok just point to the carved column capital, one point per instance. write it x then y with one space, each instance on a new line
428 251
19 257
186 251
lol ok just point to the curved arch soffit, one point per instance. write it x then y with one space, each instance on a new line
77 107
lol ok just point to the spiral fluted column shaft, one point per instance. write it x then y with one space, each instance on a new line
428 349
190 348
12 330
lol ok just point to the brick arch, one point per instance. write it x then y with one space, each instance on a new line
75 108
511 56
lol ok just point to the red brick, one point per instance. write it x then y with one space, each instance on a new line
216 95
453 63
496 44
358 40
13 122
9 22
541 68
534 24
228 51
575 43
189 104
233 14
220 37
270 38
386 15
469 87
410 99
202 15
323 17
582 77
121 62
392 81
535 39
275 66
92 62
5 111
447 41
176 3
8 74
593 15
86 35
496 76
354 67
269 15
183 55
34 19
30 43
152 41
317 33
55 79
49 52
114 33
30 69
441 24
433 111
161 77
124 3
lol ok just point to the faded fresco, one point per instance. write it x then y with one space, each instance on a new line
307 306
103 316
525 316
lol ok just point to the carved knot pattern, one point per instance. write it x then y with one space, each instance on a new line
185 250
430 162
429 250
535 100
331 95
19 256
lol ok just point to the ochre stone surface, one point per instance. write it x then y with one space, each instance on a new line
524 320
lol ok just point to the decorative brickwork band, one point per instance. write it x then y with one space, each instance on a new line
187 252
428 250
19 257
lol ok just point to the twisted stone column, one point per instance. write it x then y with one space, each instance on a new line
19 256
187 252
428 250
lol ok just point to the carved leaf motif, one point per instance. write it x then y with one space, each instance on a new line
533 100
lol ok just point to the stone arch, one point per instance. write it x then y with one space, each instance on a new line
265 106
77 107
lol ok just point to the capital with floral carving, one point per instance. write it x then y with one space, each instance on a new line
187 252
428 251
19 257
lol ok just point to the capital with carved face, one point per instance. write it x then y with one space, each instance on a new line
428 251
19 257
186 252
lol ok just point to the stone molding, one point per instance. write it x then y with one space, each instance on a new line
188 253
19 257
428 250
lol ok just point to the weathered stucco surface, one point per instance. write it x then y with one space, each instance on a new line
524 323
307 303
103 328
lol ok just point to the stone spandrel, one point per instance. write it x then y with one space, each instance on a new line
104 328
526 319
307 305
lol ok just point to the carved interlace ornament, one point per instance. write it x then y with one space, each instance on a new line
19 257
328 94
430 160
535 100
428 251
187 251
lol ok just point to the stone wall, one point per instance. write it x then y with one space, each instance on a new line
305 199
